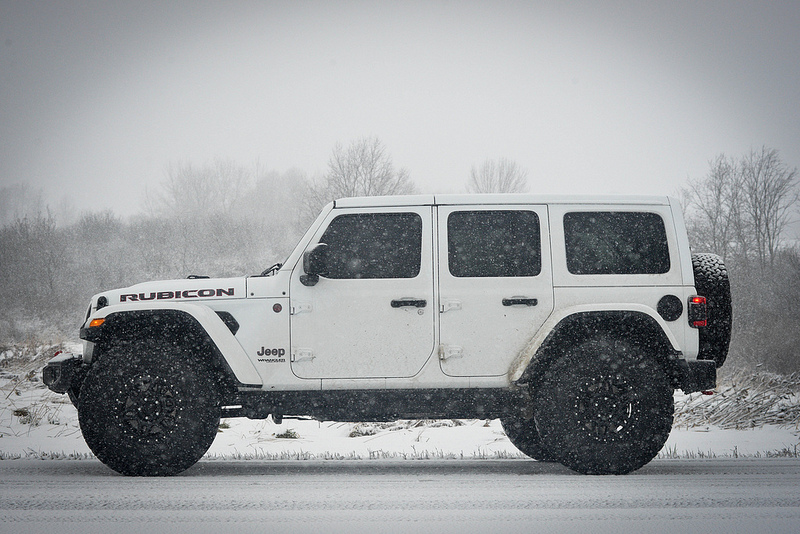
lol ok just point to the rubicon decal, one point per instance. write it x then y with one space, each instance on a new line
180 294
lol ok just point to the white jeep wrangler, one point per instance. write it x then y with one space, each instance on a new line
570 319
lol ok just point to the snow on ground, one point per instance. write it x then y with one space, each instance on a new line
36 422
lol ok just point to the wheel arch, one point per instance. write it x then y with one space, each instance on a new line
191 325
637 325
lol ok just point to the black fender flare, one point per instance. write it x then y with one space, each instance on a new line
635 326
204 331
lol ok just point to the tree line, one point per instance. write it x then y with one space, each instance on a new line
225 219
194 224
742 210
216 219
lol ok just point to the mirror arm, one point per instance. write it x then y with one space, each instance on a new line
309 279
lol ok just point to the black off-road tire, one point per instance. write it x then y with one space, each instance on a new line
604 408
524 436
149 408
711 281
74 396
74 392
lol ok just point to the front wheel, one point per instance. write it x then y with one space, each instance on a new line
604 408
149 409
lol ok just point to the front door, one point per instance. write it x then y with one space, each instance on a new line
372 315
495 283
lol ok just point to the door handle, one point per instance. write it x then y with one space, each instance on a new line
416 303
516 301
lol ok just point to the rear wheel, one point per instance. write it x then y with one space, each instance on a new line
604 408
149 409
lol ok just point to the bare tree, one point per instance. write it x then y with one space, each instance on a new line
33 263
501 176
209 220
715 200
742 207
769 195
363 168
190 190
18 201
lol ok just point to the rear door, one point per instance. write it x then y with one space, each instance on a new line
495 283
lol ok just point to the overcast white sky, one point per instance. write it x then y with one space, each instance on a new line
98 97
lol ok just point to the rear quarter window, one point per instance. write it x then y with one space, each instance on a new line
607 242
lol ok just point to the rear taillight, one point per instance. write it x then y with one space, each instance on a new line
698 312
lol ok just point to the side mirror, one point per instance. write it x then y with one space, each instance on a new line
315 263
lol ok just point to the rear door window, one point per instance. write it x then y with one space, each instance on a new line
494 243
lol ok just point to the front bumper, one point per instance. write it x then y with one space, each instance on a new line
63 372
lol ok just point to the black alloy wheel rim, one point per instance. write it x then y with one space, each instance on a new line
604 407
151 407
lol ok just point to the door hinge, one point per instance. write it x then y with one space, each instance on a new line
302 355
448 305
450 351
301 307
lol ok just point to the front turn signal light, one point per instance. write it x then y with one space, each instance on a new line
96 322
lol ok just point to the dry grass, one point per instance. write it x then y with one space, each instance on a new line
744 400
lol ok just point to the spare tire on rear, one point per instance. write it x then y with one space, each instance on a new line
711 282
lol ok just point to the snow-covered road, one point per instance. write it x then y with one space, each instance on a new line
441 496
